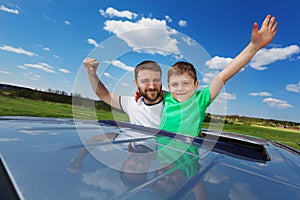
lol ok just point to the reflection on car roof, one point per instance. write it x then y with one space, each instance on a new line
47 158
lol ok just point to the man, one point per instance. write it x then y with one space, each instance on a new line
147 110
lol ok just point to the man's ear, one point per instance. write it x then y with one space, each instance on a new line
135 83
196 84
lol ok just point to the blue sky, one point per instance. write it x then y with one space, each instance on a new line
43 43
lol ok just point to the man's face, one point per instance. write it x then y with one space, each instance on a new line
149 85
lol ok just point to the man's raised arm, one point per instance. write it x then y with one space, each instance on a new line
91 66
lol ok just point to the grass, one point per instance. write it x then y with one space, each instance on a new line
284 136
25 107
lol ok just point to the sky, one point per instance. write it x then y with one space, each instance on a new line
43 44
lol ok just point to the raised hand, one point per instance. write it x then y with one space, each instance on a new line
263 36
91 65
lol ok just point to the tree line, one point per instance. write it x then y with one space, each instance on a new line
64 97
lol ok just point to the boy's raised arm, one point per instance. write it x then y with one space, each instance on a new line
91 66
260 38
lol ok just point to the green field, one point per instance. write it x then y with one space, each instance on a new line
25 107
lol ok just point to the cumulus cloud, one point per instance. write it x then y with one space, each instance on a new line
260 94
146 35
64 70
17 50
268 56
93 42
218 63
293 87
227 96
209 76
189 41
41 66
168 19
277 103
9 10
120 64
111 12
182 23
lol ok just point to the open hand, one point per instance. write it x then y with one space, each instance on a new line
265 35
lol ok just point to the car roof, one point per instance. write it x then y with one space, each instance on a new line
51 158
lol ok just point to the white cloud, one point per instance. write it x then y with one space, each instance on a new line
209 76
146 35
189 41
218 62
241 191
120 64
46 49
9 139
227 96
261 94
64 70
223 97
21 67
293 87
67 23
93 42
111 12
268 56
17 50
9 10
32 76
168 19
108 75
42 66
53 20
277 103
4 72
182 23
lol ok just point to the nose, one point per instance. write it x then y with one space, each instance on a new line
151 85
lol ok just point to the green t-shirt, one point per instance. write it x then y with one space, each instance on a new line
185 117
181 155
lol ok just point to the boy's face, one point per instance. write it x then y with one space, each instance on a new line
182 87
149 85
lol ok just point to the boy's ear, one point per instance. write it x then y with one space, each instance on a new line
196 84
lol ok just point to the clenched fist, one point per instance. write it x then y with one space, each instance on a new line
91 65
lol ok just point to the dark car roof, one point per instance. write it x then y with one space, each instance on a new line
47 158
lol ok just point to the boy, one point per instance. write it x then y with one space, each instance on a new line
184 108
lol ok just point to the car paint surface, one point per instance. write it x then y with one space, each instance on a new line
39 154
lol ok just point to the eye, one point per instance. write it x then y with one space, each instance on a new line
157 81
145 81
174 84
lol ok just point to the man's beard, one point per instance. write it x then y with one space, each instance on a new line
151 97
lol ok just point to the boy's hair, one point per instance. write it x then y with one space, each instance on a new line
146 65
182 67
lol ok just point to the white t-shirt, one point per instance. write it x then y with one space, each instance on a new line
141 113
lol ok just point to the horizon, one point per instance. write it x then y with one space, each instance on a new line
72 95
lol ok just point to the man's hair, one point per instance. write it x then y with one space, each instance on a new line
182 67
146 65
